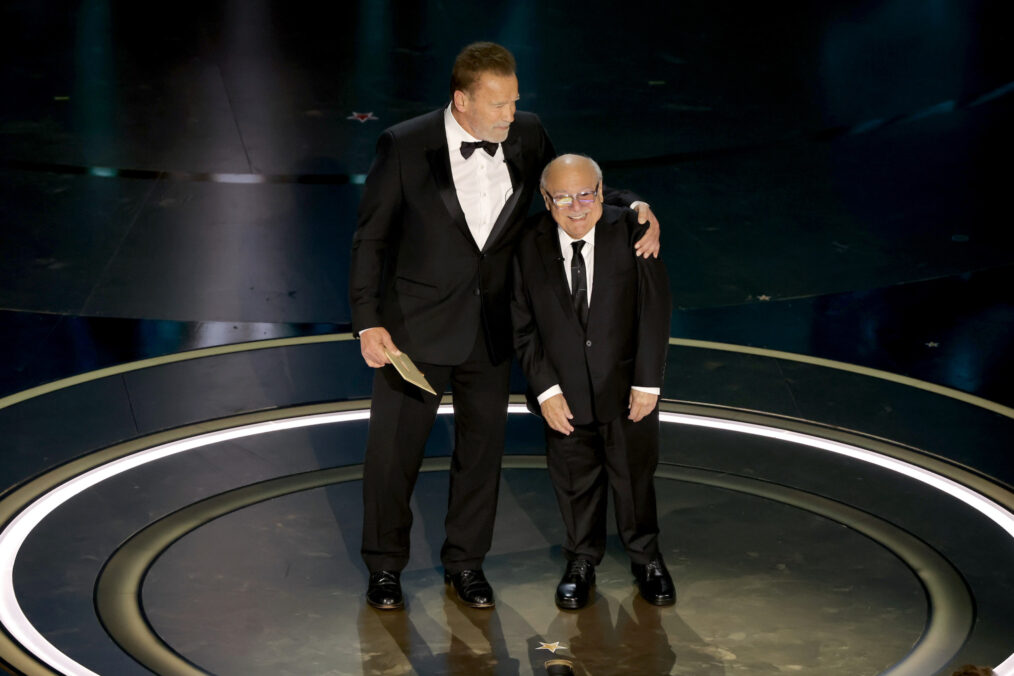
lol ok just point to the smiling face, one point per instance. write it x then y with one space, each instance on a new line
486 110
571 175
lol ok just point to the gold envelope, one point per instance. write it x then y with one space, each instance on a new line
407 370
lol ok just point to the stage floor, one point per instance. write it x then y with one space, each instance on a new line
223 537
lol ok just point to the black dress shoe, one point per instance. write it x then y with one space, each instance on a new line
384 591
654 582
471 587
559 667
572 592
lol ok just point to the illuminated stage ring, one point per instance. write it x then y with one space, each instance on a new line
35 500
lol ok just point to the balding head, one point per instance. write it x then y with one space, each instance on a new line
575 182
570 161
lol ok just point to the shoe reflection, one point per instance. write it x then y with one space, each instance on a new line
636 643
469 641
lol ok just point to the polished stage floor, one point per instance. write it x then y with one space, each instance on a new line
183 411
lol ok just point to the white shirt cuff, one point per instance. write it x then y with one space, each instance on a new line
633 205
555 390
648 390
551 392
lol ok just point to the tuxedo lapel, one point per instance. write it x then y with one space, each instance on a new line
512 157
548 245
609 242
440 166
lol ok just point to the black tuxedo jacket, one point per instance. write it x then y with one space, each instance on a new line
627 335
415 268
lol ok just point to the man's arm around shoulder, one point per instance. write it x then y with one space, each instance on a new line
653 316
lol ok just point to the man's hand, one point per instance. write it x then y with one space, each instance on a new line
372 344
649 244
641 404
557 414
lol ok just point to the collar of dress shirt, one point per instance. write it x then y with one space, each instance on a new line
566 240
456 133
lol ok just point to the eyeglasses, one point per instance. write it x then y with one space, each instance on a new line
584 197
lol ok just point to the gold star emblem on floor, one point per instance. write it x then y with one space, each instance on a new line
551 647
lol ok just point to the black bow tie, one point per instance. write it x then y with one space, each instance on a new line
468 147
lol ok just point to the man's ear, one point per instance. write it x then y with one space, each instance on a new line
460 100
545 199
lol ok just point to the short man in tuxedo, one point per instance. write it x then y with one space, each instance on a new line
443 206
591 328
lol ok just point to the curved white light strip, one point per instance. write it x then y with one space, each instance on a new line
979 503
17 531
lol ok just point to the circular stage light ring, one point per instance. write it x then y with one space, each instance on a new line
17 530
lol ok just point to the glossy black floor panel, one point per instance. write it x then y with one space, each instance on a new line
953 331
60 232
40 434
305 601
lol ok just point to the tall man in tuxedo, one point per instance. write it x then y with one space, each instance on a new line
591 328
441 212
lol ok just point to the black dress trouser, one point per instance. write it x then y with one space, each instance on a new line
621 455
401 416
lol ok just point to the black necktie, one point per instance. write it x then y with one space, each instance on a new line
579 283
468 147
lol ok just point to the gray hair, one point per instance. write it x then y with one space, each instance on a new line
545 171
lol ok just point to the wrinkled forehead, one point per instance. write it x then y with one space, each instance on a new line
571 178
491 83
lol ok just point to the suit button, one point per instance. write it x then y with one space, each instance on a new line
587 343
476 292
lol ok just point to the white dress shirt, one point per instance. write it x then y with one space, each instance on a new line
588 254
482 182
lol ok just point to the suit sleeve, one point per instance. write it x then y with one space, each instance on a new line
527 341
546 150
618 197
544 154
654 309
376 234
